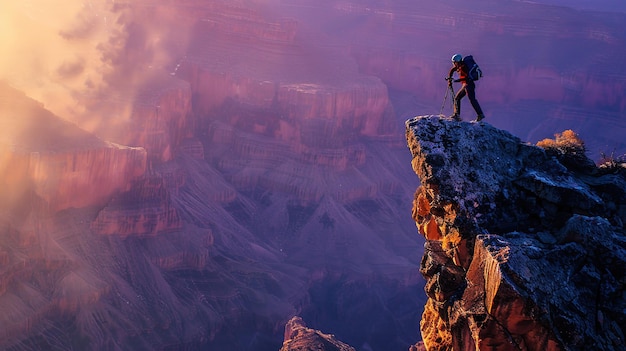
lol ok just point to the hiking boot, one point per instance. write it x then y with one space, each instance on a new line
480 117
456 117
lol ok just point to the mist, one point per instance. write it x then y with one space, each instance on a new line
58 52
86 60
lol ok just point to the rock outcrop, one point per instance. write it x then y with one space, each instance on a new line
524 250
299 337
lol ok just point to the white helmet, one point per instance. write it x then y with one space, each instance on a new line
457 58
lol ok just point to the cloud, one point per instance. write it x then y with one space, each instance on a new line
87 60
54 52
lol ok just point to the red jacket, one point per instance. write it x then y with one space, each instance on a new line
462 70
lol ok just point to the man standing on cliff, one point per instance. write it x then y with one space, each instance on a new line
468 88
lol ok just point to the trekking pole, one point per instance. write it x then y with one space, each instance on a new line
445 97
449 90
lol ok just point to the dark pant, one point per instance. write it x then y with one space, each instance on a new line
469 90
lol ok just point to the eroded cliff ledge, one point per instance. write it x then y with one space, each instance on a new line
524 251
299 337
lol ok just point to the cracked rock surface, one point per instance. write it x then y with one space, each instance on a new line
524 251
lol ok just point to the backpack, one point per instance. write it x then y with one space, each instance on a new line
474 72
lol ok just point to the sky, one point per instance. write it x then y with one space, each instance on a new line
61 55
54 52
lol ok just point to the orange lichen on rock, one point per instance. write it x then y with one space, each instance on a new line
435 334
421 204
426 222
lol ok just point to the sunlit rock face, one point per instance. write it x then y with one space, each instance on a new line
524 250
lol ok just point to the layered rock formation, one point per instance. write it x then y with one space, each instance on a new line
299 337
301 82
524 249
144 210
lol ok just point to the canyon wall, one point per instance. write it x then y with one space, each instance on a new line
270 174
297 81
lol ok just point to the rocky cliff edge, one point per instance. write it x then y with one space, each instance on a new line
525 250
299 337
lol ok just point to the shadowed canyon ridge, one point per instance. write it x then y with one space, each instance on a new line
216 168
